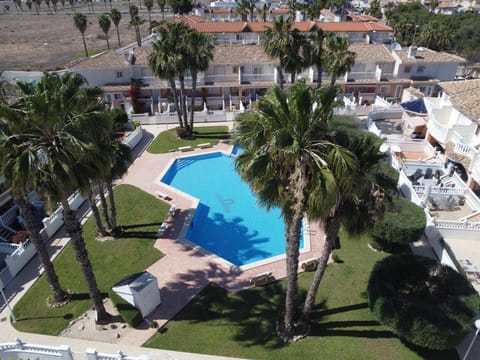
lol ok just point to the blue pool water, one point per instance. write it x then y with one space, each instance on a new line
228 221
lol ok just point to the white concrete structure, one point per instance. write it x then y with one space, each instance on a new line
140 290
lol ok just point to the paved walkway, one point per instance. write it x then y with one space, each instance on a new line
182 273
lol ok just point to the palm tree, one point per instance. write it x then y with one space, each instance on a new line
277 43
200 52
168 61
357 206
136 21
80 21
149 6
57 108
29 4
243 7
298 54
161 4
72 4
37 5
265 9
55 2
317 53
116 16
290 164
338 60
105 23
18 173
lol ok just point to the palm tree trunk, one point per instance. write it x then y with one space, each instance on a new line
108 43
118 36
332 226
280 75
139 39
173 88
74 229
103 201
149 18
96 213
194 89
292 78
319 71
333 80
33 228
84 45
183 101
113 208
292 231
293 226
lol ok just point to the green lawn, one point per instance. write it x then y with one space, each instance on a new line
243 324
168 140
140 214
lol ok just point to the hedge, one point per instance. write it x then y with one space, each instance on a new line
402 223
132 316
422 301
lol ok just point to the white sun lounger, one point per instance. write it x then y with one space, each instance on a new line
204 145
185 148
263 277
172 211
163 228
161 194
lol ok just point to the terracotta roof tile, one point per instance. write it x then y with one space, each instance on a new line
427 55
371 52
465 96
240 54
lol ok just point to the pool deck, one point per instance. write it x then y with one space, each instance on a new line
185 270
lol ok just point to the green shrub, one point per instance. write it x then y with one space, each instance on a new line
132 316
402 223
424 302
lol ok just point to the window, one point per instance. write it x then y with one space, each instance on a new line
407 68
384 90
119 74
420 69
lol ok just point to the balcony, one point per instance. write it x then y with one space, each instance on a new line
353 76
250 78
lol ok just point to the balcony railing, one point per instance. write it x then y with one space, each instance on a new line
257 77
437 130
456 225
352 76
5 197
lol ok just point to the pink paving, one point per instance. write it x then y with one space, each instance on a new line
185 270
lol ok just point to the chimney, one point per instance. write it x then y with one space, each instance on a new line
412 52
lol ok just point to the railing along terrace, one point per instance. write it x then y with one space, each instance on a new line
435 190
357 75
257 77
456 225
5 196
464 149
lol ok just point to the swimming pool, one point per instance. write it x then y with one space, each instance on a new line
228 221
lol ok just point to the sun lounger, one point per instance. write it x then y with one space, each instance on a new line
162 195
185 148
310 264
172 211
260 278
204 145
163 228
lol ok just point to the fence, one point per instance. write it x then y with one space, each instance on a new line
21 350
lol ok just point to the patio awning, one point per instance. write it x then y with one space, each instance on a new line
417 106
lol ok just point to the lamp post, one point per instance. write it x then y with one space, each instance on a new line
8 305
477 326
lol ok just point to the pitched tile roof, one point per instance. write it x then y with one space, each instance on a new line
203 25
240 54
377 53
465 96
427 55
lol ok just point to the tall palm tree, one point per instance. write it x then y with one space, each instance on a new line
80 21
105 23
168 61
18 172
243 8
317 53
289 163
277 43
298 54
359 204
200 52
161 4
58 116
339 59
38 4
116 16
149 6
136 21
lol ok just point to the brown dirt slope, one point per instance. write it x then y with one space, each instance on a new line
49 41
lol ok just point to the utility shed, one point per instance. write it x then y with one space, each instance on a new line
140 290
